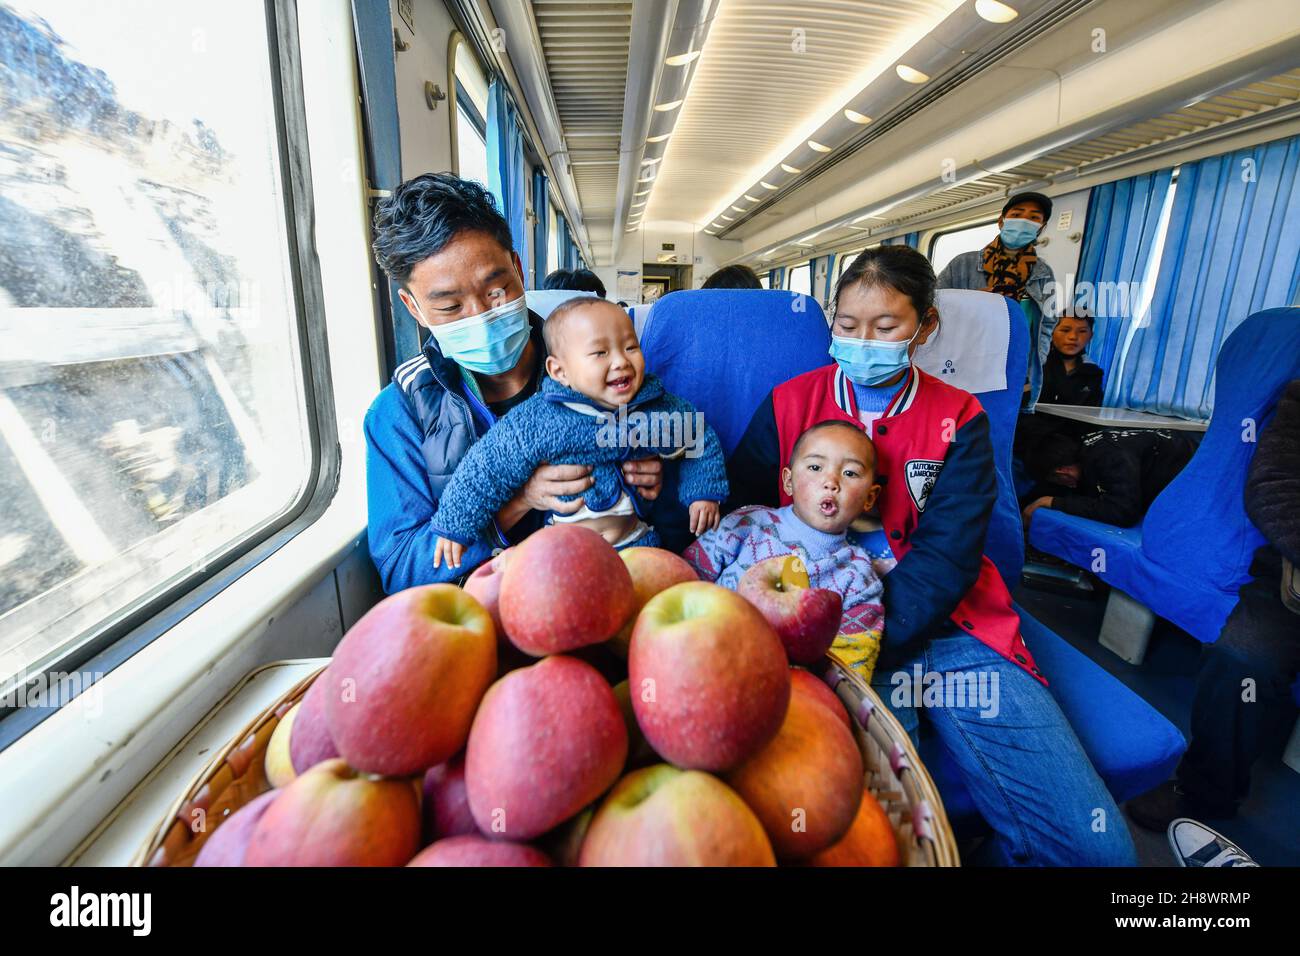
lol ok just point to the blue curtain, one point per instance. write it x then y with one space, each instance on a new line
1232 249
821 290
776 278
506 167
541 209
1120 236
911 239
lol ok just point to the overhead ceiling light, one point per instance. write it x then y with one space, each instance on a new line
994 11
751 198
737 208
682 59
644 192
906 74
718 225
667 107
658 139
709 232
818 146
767 185
646 179
790 169
728 218
853 116
651 162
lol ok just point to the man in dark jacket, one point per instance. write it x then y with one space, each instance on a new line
1110 476
1243 691
443 240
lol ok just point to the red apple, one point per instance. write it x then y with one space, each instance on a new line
806 619
708 676
639 751
653 570
477 850
333 816
309 741
803 682
226 845
807 783
278 764
547 741
446 803
662 816
564 588
406 679
485 586
869 842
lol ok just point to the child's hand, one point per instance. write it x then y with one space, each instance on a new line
449 551
705 516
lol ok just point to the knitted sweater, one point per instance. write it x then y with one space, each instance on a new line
562 426
753 534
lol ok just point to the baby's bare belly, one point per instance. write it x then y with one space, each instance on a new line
613 528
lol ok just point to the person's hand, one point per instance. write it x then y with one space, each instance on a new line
1028 514
705 516
449 551
646 475
543 491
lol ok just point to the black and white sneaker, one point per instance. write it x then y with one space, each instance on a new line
1195 844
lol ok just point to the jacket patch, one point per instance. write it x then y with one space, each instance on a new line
921 474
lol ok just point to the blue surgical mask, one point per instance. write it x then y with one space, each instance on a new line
488 343
870 361
1018 233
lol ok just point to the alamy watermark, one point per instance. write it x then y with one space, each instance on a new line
51 690
636 429
956 689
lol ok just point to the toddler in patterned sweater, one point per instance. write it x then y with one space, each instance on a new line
831 476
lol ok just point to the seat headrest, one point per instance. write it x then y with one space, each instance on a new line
544 301
970 348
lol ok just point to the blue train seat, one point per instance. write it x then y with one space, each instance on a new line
1191 553
725 350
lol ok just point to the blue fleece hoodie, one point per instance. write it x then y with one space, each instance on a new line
562 426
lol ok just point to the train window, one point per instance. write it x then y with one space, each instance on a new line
552 241
801 279
765 280
471 115
152 407
946 246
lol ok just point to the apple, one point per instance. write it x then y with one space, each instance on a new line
309 741
485 587
639 751
564 843
226 845
278 763
816 688
445 803
547 740
869 842
807 783
477 850
653 570
563 588
806 619
406 679
709 679
334 816
663 816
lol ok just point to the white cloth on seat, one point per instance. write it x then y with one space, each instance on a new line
970 348
544 301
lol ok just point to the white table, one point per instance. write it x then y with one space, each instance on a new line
1120 417
117 839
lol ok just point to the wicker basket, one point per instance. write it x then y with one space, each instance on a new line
894 775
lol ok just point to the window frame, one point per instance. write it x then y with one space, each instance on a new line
934 239
789 276
114 643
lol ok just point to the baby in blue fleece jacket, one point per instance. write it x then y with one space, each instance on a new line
596 407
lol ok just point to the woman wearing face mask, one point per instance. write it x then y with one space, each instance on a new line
1010 266
946 607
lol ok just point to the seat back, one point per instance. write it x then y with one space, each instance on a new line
723 350
544 301
1197 527
982 346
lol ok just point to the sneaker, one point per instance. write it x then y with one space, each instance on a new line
1195 844
1157 808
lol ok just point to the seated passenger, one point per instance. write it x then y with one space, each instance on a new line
831 479
560 279
1068 377
733 277
1009 265
1111 476
594 366
575 280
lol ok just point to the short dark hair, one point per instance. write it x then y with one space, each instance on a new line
424 214
584 280
830 423
553 327
898 267
558 280
1049 454
733 277
1078 312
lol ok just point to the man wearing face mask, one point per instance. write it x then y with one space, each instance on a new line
443 241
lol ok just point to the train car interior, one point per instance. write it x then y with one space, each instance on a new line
194 327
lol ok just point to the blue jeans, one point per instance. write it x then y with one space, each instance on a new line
1018 756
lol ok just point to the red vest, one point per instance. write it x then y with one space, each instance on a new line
912 440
